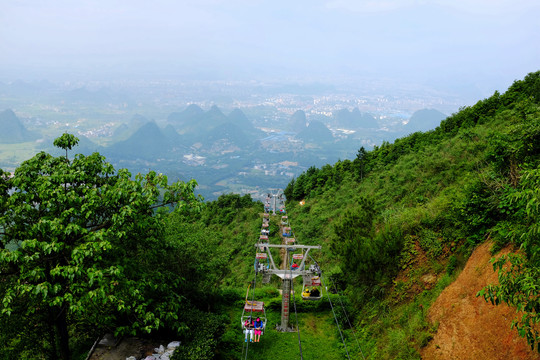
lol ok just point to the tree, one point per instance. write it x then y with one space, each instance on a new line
360 162
70 231
368 257
519 273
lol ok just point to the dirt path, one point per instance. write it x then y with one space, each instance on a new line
469 327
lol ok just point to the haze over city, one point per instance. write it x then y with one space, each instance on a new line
441 44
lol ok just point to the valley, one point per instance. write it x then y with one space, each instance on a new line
241 138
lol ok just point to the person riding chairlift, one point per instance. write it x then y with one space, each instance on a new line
294 266
248 325
306 292
258 329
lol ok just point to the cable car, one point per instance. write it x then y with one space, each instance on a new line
253 310
312 282
251 307
287 231
263 238
290 240
311 294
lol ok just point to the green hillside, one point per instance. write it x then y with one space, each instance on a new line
87 249
398 215
436 194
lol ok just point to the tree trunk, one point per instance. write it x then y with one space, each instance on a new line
63 335
52 338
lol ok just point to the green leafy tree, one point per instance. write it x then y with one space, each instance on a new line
73 233
368 258
519 273
289 189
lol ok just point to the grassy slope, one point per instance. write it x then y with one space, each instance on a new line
416 202
433 199
419 197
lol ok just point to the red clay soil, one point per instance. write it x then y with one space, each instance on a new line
469 327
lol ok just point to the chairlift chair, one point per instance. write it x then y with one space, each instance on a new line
287 231
251 307
312 280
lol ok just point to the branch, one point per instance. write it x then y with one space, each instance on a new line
163 204
15 272
93 227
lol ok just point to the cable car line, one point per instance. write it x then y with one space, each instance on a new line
297 327
335 317
347 317
344 311
289 249
252 303
246 343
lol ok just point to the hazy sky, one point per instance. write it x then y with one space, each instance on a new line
486 42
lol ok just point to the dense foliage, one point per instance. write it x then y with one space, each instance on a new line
440 193
80 252
87 249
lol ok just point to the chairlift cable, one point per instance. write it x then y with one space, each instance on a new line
252 302
296 318
335 317
349 321
294 304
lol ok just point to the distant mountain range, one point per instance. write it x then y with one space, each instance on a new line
354 119
12 130
197 123
210 131
148 142
424 120
298 121
225 151
316 132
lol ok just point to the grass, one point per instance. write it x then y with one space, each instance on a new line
317 338
319 334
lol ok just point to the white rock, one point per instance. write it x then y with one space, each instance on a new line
150 357
173 345
131 358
